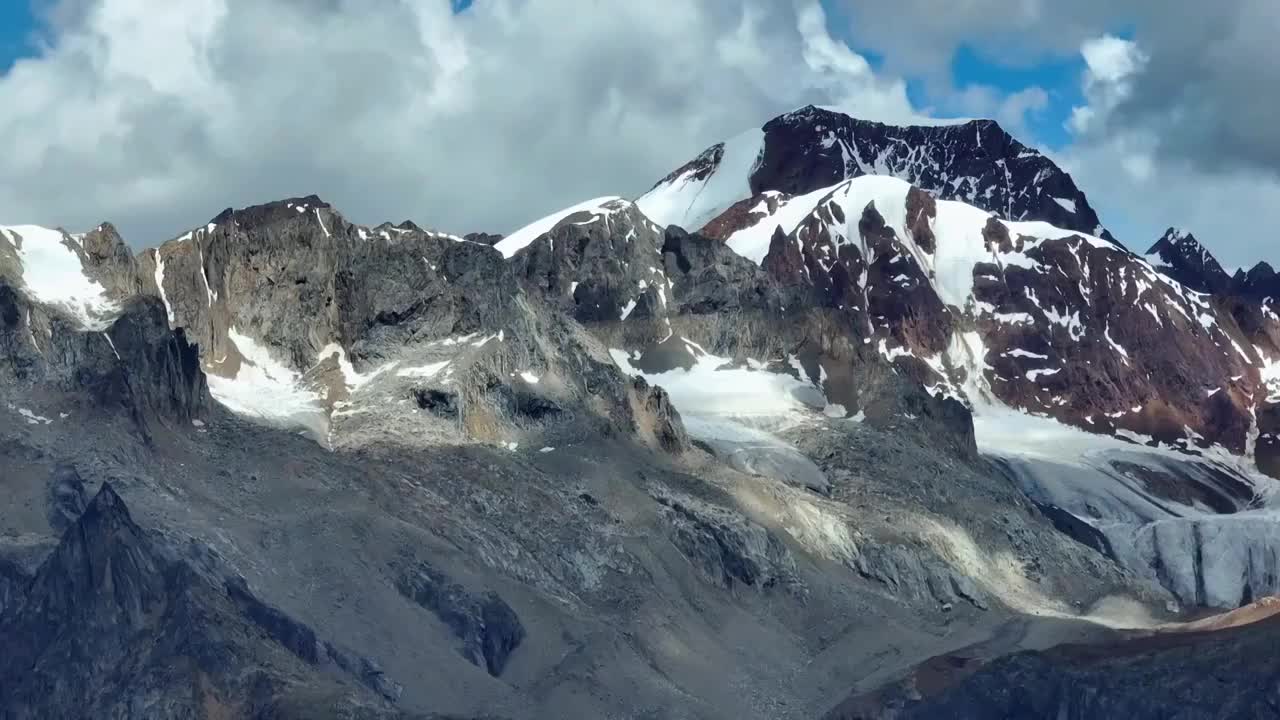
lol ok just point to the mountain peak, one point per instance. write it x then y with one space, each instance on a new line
821 113
272 211
811 148
1181 256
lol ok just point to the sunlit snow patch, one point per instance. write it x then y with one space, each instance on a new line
53 274
690 202
735 410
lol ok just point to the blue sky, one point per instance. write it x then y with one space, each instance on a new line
1059 78
16 26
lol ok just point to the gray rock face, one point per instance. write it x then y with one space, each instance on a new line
111 627
1180 256
1225 674
710 278
137 366
67 498
726 547
602 267
488 629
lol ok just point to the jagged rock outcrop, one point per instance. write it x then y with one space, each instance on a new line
483 238
325 308
707 277
485 625
727 548
605 264
112 626
1180 255
1052 320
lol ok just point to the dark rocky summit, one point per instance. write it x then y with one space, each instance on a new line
1180 256
976 162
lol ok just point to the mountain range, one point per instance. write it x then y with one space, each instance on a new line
839 419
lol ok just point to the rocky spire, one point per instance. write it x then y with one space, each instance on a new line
1180 255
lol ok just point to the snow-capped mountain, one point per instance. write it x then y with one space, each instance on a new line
829 369
730 186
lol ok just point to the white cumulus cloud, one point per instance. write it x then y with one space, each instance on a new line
158 115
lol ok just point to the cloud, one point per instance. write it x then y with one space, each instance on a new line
1134 180
1195 71
1178 123
158 115
1139 193
1110 66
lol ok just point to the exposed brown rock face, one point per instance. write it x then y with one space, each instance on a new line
1095 314
922 208
1069 325
742 214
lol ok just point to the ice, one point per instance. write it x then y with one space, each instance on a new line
1203 557
266 389
692 203
626 310
53 275
518 240
1068 205
1033 374
112 344
736 410
889 195
710 387
529 377
209 293
168 309
1115 345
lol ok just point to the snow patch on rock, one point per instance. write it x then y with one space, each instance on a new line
266 389
518 240
54 275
